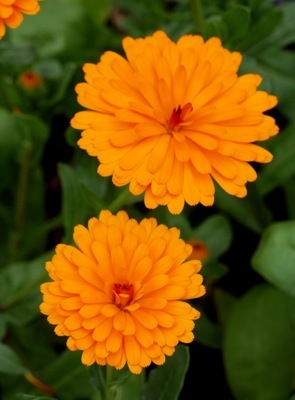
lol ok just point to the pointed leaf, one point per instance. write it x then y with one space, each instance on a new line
165 382
274 258
9 361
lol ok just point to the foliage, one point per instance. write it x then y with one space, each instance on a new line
48 185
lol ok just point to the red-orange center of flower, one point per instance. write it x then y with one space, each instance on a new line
123 294
178 115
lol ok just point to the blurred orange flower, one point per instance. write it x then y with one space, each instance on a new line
199 250
30 80
11 12
119 297
172 117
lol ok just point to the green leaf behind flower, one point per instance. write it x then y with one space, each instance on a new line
259 346
274 258
165 381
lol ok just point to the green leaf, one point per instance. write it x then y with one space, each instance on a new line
284 33
180 221
98 14
165 382
67 376
213 270
237 20
23 396
264 26
276 66
274 258
17 280
16 54
249 211
66 35
216 233
259 346
9 361
214 26
130 388
24 311
282 167
73 205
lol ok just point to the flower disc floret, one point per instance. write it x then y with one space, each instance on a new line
11 12
120 296
172 118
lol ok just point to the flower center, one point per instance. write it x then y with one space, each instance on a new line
178 115
123 294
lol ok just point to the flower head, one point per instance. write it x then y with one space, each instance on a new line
30 80
173 117
199 250
11 12
119 296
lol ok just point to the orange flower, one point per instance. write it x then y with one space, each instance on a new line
172 117
199 250
30 80
11 12
119 297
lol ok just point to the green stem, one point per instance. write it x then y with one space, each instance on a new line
20 200
109 391
120 201
198 15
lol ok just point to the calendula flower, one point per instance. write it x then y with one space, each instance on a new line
119 296
199 250
11 12
30 80
174 117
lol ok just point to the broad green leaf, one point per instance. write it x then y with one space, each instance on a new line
165 382
282 167
9 361
274 258
249 211
259 346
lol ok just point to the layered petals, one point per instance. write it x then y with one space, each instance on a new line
119 296
172 118
11 12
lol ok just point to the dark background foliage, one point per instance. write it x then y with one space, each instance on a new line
244 347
